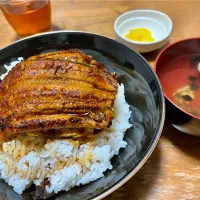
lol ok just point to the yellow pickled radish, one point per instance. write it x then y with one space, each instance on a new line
140 35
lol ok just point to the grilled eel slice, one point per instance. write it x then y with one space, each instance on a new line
56 91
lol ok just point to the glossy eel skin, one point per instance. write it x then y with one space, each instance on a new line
56 91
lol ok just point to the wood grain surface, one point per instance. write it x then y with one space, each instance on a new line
173 170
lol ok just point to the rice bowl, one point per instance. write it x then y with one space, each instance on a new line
142 91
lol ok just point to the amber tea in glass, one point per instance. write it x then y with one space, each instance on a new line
27 17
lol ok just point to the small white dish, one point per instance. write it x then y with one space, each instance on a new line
157 22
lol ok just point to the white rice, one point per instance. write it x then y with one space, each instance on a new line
10 66
66 163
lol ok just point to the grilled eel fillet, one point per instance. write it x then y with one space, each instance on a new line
56 91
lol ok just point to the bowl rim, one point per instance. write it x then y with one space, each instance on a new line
13 2
160 121
143 10
156 67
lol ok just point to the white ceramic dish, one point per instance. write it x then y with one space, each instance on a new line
159 23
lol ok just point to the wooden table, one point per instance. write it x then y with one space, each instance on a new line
173 170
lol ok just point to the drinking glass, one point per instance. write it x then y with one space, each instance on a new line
27 17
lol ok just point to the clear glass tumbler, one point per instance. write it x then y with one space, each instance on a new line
27 17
